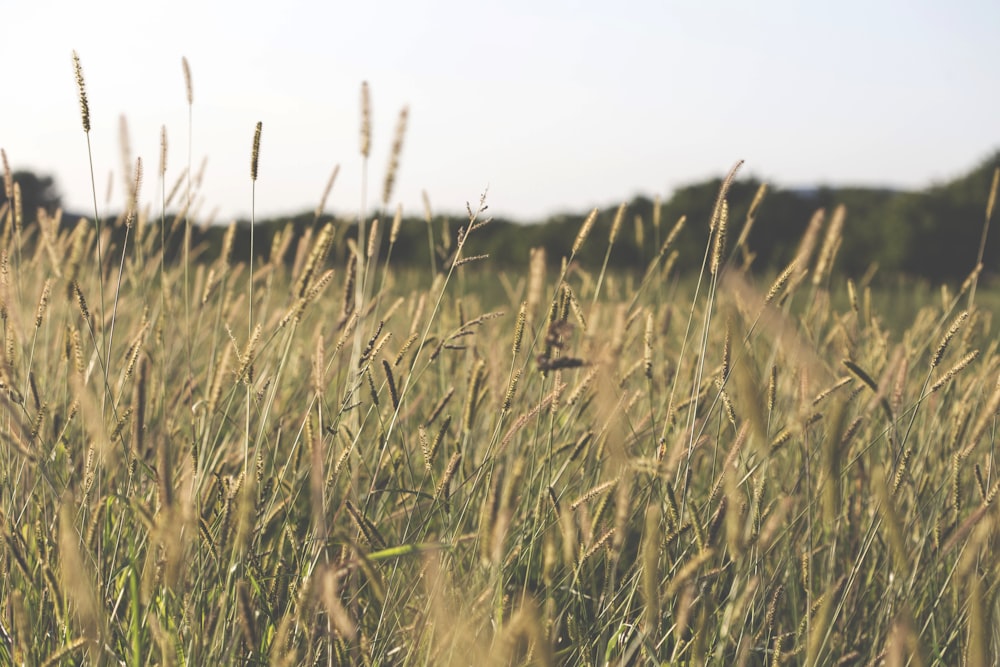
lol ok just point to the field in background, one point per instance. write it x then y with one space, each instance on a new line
302 461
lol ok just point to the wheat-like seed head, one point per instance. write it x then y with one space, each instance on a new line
536 279
81 89
316 258
372 239
366 121
397 150
8 178
808 243
772 388
647 347
43 302
81 301
18 209
780 282
508 399
439 407
616 224
719 243
391 381
992 200
245 373
125 146
831 243
672 236
758 198
588 224
472 397
727 182
397 221
443 492
163 151
522 317
255 153
952 330
350 278
188 88
76 579
326 191
134 187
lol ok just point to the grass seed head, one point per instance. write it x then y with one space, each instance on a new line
255 152
366 121
188 87
81 89
584 232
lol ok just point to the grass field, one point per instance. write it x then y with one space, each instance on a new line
297 461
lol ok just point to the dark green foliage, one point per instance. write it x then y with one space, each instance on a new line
932 234
36 192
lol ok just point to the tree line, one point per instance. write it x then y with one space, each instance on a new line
934 233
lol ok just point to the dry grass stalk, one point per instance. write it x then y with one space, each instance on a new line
393 393
188 86
472 396
327 189
616 223
365 526
397 222
780 282
255 152
751 218
808 244
683 575
462 261
8 178
316 258
647 347
125 146
844 381
431 452
593 493
366 121
952 330
831 243
985 420
521 421
650 570
584 232
18 210
246 359
394 154
248 620
508 399
955 370
721 226
330 594
81 89
373 239
77 581
536 280
443 491
350 283
43 302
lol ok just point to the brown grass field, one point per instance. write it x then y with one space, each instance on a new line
297 460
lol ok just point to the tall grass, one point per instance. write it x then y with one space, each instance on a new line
697 469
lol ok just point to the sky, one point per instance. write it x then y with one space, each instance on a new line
549 106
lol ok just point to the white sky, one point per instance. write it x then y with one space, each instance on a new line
554 105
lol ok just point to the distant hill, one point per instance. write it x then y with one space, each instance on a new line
933 233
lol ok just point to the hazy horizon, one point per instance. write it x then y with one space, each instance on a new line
554 108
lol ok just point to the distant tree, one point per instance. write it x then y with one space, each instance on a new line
36 192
